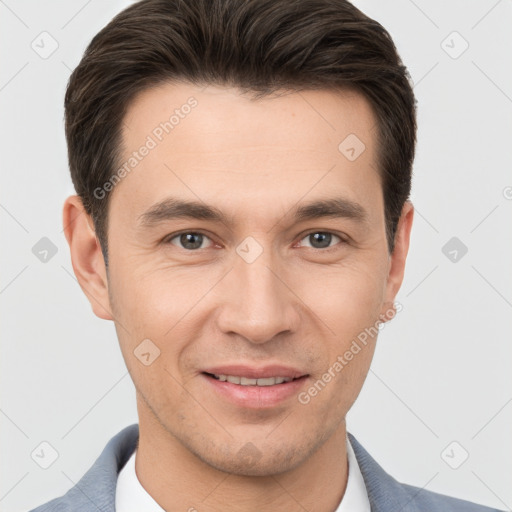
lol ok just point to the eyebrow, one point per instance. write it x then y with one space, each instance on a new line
174 208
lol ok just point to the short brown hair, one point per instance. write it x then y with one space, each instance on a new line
261 46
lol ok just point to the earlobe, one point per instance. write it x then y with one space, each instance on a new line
397 260
86 256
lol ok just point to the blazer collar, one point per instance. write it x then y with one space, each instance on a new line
96 490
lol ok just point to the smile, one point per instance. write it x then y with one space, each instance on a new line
247 381
254 388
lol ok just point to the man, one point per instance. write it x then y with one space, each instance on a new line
242 171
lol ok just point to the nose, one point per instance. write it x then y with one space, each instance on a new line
258 303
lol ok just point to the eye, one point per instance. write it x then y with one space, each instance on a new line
321 239
193 240
189 240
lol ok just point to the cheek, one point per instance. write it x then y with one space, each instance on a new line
152 301
143 313
348 303
159 313
348 299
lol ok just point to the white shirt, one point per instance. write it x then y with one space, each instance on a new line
132 497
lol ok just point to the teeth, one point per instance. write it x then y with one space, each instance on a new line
245 381
269 381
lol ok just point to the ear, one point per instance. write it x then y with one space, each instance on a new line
86 256
397 260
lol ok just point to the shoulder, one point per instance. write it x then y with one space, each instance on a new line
432 501
388 495
96 489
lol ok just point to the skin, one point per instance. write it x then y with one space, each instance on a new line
297 304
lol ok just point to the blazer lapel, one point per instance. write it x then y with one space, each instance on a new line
384 492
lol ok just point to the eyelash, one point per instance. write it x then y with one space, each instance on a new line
343 240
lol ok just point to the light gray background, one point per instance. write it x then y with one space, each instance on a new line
442 368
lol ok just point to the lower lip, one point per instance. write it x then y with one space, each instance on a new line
256 397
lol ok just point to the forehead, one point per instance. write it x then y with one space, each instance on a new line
293 117
216 143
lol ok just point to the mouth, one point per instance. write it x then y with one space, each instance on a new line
248 381
252 388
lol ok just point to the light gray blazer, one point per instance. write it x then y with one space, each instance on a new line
96 490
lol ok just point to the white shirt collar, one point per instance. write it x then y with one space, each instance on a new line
132 497
355 498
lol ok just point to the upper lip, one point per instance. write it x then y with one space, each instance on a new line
253 372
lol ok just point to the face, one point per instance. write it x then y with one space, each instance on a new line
236 314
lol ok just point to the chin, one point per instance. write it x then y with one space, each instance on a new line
256 460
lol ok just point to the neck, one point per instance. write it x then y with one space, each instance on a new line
178 480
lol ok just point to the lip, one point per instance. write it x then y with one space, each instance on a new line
255 397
